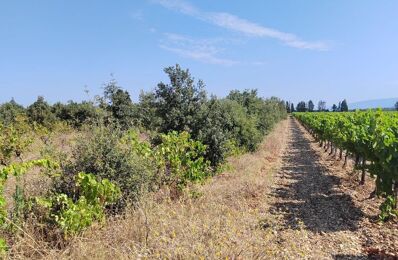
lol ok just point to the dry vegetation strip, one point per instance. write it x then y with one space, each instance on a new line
228 219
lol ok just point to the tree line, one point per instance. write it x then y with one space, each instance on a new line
241 119
309 106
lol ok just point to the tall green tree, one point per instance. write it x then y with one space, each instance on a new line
344 106
311 106
288 107
147 112
321 106
301 107
179 103
396 106
334 108
292 108
249 99
119 104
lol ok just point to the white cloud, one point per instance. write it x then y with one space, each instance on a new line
180 6
199 55
137 15
203 50
235 23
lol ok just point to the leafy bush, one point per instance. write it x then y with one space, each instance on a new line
16 170
388 209
103 152
73 216
76 114
15 138
181 160
10 111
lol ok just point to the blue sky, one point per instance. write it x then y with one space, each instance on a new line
296 50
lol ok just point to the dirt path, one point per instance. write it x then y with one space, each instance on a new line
306 197
311 194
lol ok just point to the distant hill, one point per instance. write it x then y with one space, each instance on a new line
376 103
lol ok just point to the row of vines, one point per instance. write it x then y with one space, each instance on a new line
371 138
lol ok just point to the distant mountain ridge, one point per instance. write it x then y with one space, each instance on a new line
375 103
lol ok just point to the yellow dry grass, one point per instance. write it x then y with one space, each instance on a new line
227 218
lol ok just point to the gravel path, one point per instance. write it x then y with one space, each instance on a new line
310 194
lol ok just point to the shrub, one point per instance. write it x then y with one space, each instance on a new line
15 139
74 215
76 114
16 170
102 151
181 160
40 112
10 111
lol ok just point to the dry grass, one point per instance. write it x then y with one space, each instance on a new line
228 217
35 183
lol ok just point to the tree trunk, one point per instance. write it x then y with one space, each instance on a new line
345 159
396 194
356 160
362 182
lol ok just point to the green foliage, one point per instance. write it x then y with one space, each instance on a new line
19 203
181 159
106 152
73 216
148 115
322 106
388 209
372 135
40 112
97 192
301 107
216 131
119 104
15 138
3 248
344 106
17 170
396 106
179 103
76 114
10 111
256 119
311 106
239 121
